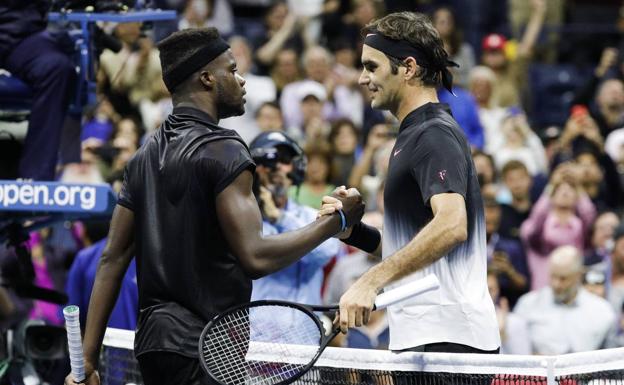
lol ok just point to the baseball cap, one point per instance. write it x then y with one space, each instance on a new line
494 42
312 88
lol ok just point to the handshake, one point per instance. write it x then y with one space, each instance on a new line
347 203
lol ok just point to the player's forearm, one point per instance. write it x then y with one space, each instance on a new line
103 297
435 240
273 253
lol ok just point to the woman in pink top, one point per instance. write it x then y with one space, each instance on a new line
562 216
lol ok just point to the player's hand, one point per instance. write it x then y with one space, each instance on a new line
331 204
352 205
356 305
93 378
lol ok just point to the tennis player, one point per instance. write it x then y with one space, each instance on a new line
187 211
433 220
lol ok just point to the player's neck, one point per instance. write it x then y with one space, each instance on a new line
197 102
413 98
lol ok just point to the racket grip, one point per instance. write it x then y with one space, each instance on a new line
390 297
74 342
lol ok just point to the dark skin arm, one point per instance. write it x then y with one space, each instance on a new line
113 264
238 212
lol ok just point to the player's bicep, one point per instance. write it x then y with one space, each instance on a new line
239 215
439 165
450 208
120 244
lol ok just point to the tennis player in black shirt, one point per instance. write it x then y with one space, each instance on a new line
187 211
433 217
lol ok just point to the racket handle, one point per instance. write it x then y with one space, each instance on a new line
74 342
406 291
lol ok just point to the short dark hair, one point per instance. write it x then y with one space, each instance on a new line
514 165
415 28
180 45
268 104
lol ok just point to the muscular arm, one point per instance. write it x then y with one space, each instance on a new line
113 264
446 230
240 218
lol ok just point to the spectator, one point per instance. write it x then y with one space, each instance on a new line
42 310
208 13
513 329
519 183
30 53
459 51
131 79
344 20
275 156
482 85
506 257
486 171
582 141
269 117
564 317
562 216
511 72
285 69
601 235
314 127
343 139
342 100
465 111
318 174
519 142
82 276
283 30
370 169
260 89
608 94
616 292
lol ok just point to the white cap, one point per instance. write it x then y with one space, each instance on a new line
311 88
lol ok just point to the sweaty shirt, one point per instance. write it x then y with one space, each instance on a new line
186 272
432 156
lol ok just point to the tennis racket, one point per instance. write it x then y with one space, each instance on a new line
276 342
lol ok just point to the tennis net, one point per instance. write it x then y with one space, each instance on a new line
341 366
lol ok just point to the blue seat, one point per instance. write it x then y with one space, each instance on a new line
15 95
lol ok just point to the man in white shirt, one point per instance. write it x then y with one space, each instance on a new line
564 317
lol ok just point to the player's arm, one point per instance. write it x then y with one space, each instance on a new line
447 229
241 222
360 235
113 264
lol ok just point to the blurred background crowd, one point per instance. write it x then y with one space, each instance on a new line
539 94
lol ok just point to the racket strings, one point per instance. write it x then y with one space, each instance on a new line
264 345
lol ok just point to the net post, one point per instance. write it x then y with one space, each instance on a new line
549 364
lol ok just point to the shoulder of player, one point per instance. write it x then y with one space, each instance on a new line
436 132
223 146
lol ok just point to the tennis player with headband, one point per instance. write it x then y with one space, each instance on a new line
187 211
433 220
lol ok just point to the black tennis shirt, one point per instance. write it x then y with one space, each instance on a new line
185 269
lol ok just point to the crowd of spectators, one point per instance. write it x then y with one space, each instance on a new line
553 193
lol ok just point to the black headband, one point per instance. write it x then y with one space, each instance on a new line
402 49
194 62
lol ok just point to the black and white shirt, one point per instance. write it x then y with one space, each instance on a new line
431 156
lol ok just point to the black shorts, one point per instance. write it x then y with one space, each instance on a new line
449 347
164 368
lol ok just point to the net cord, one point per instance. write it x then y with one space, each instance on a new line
562 365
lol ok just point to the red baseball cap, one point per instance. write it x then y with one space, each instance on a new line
494 42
